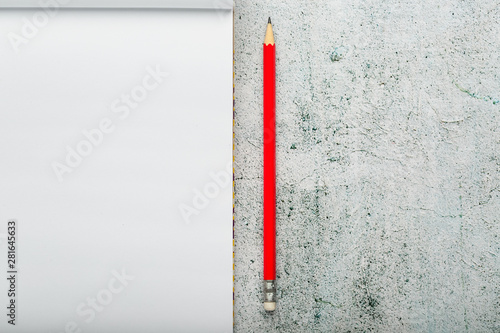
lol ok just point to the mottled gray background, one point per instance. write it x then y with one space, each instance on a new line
388 166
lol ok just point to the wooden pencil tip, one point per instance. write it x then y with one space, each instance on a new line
269 39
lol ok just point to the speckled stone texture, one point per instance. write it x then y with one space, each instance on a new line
388 199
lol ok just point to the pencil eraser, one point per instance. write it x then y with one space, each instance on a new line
269 306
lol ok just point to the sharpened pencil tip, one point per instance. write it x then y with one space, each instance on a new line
269 39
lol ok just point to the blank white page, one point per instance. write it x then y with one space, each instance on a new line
116 165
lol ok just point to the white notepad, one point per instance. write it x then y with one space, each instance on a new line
116 166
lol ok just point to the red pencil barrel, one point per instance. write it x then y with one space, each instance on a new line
269 162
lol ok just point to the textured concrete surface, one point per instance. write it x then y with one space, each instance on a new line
388 166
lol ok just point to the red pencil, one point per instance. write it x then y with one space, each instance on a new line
269 170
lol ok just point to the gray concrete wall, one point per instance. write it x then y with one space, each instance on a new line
388 166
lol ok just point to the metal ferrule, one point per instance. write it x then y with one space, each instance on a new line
269 291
